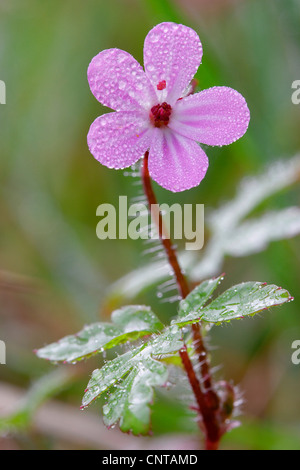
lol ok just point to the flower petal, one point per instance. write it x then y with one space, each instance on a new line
118 81
217 116
176 163
172 53
117 140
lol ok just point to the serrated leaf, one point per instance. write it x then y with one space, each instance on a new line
169 341
113 371
224 223
129 323
252 191
129 403
136 318
199 296
239 301
255 234
130 379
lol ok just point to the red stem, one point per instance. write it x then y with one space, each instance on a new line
165 240
206 397
209 419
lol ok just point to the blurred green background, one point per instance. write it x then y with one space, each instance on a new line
55 273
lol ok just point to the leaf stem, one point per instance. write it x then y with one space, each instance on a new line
206 397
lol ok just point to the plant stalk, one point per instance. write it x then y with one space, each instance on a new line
206 398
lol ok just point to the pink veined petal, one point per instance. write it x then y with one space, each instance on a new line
117 140
176 163
172 53
118 81
217 116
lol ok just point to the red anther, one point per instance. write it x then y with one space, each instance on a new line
160 114
161 85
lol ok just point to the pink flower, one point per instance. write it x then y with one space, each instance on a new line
155 112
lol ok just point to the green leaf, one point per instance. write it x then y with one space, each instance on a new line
129 403
136 318
102 379
130 379
239 301
199 296
129 324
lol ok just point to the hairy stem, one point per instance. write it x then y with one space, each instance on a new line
206 397
209 421
165 240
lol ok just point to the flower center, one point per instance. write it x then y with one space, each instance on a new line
160 114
